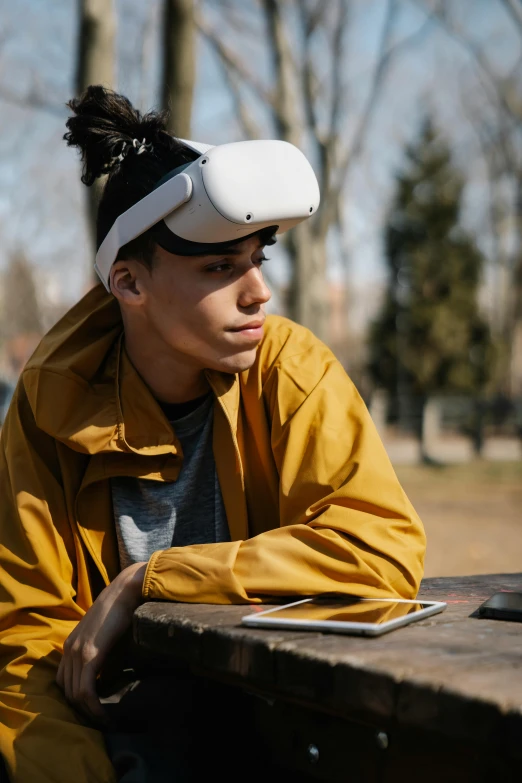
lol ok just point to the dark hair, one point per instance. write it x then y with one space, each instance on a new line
105 127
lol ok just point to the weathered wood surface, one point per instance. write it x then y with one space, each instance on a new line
453 673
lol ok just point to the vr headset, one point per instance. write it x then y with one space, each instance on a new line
230 192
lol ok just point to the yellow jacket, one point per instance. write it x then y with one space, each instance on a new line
312 502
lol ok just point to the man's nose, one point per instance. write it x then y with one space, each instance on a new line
254 289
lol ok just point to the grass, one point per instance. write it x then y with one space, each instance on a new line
474 472
472 514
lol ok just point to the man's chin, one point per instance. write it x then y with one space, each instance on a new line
239 362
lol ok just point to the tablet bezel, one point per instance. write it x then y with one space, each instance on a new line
265 619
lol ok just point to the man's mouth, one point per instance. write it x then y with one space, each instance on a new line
248 326
252 329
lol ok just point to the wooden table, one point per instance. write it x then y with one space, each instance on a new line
439 700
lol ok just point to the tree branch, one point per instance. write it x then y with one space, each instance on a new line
31 101
309 21
337 54
515 10
231 61
377 81
388 55
245 117
285 114
500 84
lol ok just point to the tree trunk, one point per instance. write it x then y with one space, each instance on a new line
420 411
308 295
179 68
516 329
477 432
96 65
307 300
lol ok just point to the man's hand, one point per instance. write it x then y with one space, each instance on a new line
87 647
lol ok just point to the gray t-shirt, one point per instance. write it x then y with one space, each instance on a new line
152 515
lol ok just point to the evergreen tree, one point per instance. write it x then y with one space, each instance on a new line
430 337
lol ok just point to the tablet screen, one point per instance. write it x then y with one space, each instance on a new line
352 610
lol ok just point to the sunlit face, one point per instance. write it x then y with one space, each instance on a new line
207 311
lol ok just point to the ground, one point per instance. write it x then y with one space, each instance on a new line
472 514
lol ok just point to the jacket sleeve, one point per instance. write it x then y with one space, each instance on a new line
345 523
37 613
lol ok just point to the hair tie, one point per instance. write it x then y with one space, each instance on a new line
123 154
141 146
127 146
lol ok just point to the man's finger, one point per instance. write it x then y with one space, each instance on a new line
88 698
59 674
68 679
76 676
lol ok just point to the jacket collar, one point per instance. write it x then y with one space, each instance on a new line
86 393
142 426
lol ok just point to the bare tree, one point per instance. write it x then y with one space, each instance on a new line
178 64
308 105
96 64
21 310
499 128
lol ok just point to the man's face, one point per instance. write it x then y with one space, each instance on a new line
207 310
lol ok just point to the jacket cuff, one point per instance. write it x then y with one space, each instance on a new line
148 574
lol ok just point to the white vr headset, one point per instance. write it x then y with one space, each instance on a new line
230 192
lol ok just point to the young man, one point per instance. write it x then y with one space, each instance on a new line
167 440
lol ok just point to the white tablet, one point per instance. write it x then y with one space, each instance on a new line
344 614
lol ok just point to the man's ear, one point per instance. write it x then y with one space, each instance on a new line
127 282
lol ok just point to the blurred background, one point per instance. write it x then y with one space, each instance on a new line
410 111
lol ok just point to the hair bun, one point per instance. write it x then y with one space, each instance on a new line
108 130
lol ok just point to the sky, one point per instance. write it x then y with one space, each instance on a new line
42 199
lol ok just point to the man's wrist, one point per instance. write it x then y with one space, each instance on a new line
133 577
